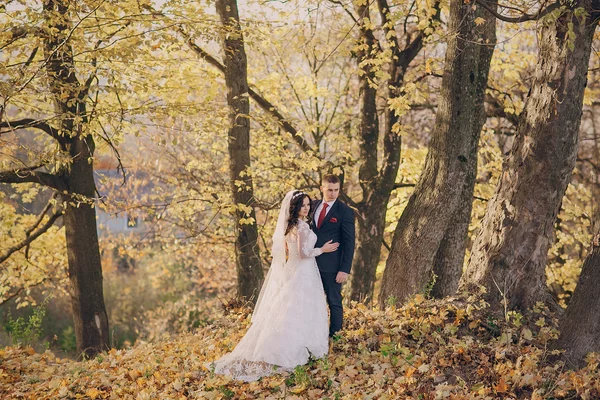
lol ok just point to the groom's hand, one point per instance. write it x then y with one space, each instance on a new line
341 277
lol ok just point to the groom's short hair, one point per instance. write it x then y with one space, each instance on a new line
331 178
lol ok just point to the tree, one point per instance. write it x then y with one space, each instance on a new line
74 180
510 252
377 175
580 324
249 266
431 233
383 65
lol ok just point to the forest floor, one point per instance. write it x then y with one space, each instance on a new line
427 349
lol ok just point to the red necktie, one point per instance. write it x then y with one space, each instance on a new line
322 215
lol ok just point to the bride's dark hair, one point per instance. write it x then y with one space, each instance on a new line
295 206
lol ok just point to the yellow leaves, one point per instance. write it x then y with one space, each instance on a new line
275 383
246 221
590 95
400 105
216 381
428 68
298 389
409 371
474 324
526 334
351 371
478 388
177 385
418 299
134 374
146 394
479 21
141 381
466 364
93 393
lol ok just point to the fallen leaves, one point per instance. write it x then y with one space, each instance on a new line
404 353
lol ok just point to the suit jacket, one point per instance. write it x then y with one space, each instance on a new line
339 227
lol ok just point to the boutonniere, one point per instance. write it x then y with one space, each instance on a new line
333 220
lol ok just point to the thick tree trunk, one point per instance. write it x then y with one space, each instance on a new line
580 325
249 266
449 259
85 268
510 253
449 166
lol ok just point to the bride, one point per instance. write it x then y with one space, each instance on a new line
290 322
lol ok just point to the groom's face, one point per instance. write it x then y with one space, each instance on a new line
330 191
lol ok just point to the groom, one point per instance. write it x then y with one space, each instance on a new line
333 220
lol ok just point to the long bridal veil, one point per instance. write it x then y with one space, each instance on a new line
289 323
276 276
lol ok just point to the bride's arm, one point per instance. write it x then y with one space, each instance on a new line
304 248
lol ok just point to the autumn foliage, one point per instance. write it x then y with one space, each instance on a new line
155 107
429 349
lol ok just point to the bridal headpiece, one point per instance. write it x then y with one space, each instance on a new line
298 195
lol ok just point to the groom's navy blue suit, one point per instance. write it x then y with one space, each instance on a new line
337 226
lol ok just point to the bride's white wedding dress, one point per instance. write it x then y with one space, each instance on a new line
290 320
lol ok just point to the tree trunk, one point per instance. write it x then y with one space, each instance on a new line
510 253
580 325
595 187
370 222
248 263
85 268
449 172
449 259
378 184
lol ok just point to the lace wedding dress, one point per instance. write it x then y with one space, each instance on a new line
290 321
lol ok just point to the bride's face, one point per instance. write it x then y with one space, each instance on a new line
305 208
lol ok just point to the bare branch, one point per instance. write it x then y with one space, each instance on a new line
398 66
120 166
90 79
31 238
387 246
345 9
28 175
266 105
384 12
524 17
11 296
348 200
60 45
19 32
39 220
404 185
18 292
589 161
261 101
496 109
36 124
408 54
29 61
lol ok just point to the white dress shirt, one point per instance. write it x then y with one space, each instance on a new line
320 207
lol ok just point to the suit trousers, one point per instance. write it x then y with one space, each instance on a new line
333 292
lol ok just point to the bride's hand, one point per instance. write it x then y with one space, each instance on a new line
330 247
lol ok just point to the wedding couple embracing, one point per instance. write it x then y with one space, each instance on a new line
312 252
